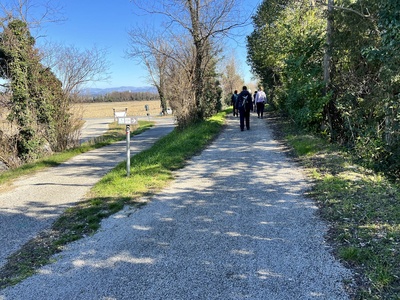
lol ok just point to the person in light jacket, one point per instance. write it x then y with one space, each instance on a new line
261 99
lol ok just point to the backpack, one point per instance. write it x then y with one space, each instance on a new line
243 102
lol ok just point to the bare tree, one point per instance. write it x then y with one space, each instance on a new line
180 77
47 91
230 78
181 98
35 13
151 50
170 64
207 23
76 68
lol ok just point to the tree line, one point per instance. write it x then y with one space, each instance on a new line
333 67
120 96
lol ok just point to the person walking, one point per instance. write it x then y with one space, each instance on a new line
234 103
244 105
254 102
260 100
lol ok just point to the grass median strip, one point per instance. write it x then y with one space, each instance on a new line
151 170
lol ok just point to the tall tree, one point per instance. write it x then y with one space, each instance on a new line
34 89
205 22
230 78
358 89
264 44
154 52
285 51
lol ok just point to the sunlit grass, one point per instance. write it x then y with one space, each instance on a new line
305 144
362 208
152 169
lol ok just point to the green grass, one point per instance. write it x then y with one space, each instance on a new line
362 208
304 145
151 170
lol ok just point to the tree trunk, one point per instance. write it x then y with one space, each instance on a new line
327 62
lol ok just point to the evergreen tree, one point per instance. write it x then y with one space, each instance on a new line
34 92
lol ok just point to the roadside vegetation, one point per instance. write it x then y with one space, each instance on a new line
362 208
332 67
151 170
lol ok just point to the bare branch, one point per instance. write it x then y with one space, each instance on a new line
345 9
35 13
76 68
191 29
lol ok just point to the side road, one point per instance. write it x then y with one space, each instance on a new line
31 204
233 225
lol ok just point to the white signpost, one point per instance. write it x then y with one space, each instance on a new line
128 121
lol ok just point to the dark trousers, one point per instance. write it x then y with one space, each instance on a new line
235 110
244 117
260 109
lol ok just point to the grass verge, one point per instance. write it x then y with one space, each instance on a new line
151 170
361 207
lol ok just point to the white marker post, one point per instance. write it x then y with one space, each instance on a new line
146 107
127 121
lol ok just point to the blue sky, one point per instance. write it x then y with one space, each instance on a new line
105 24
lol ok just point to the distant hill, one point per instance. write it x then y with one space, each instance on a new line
133 89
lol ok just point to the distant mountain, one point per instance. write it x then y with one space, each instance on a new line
133 89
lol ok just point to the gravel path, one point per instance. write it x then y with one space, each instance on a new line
233 225
94 127
32 203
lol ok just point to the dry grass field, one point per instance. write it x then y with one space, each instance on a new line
98 110
106 109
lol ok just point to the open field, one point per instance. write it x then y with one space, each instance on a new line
98 110
105 109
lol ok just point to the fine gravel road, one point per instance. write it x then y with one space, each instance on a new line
32 203
233 225
94 127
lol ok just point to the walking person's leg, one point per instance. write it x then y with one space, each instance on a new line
241 114
262 105
258 109
247 119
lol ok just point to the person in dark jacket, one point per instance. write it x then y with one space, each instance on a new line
245 104
234 103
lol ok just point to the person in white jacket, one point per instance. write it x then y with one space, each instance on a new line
261 99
